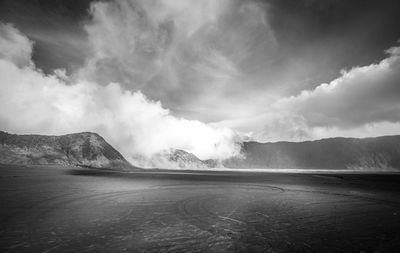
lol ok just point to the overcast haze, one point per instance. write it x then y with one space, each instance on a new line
200 75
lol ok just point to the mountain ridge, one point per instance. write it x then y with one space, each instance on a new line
325 139
91 150
78 149
381 152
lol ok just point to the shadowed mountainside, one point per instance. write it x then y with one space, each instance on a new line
334 153
82 149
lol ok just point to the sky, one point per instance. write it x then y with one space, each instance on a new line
154 75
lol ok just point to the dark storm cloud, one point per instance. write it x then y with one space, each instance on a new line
55 26
319 38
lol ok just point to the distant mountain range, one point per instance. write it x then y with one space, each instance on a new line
82 149
90 149
379 153
335 153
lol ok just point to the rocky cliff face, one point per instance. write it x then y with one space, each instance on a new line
335 153
83 149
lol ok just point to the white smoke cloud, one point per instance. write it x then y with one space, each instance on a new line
32 102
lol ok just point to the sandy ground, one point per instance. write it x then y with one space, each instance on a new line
55 209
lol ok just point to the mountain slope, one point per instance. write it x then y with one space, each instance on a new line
186 160
335 153
83 149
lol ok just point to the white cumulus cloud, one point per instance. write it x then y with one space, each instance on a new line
362 95
32 102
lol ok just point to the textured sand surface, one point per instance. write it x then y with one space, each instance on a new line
66 209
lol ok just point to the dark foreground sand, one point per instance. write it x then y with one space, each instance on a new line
55 209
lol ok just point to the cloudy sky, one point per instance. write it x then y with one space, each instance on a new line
150 75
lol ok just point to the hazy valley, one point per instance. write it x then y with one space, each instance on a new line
90 149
